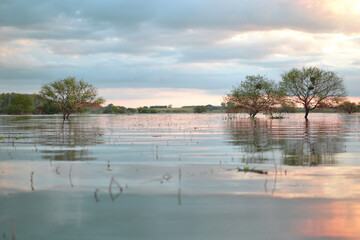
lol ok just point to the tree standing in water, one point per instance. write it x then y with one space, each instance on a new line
255 94
71 95
313 87
348 107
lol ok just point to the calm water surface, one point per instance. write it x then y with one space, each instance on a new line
175 177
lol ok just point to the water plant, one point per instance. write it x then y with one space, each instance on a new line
32 181
253 170
96 195
120 189
277 117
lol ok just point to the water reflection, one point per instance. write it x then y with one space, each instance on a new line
73 197
67 155
334 220
292 141
72 134
53 138
200 138
71 140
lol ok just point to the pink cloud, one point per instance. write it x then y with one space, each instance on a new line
131 97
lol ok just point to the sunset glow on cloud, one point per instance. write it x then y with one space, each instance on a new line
135 97
197 50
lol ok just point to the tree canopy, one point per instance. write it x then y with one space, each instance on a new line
313 87
71 95
348 107
199 109
255 94
20 104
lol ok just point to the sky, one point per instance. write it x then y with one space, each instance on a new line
179 52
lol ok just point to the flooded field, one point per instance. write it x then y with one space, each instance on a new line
176 177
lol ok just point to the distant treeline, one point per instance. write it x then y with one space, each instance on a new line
18 103
111 109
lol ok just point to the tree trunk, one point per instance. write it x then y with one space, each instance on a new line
306 113
66 116
254 114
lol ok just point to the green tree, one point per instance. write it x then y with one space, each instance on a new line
313 87
348 107
71 95
147 110
114 109
131 110
47 107
255 94
20 104
199 109
5 100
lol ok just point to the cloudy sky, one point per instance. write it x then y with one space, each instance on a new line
186 52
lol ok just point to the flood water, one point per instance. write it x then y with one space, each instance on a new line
175 177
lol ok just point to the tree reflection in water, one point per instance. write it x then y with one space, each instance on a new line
69 141
287 141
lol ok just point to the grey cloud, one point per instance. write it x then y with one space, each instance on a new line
121 46
115 73
178 45
251 50
280 64
49 18
144 27
351 82
157 34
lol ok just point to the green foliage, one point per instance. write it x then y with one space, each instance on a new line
20 104
131 110
313 87
348 107
147 110
255 94
5 100
71 95
277 117
211 108
159 106
253 170
111 109
199 109
48 107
